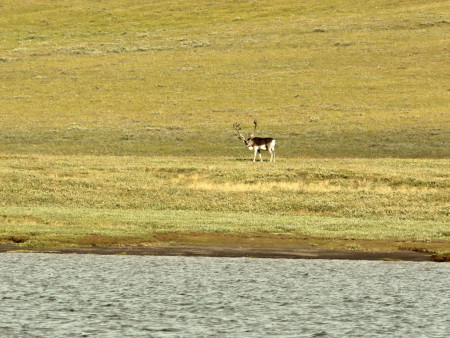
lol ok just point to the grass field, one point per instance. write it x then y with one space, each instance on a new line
116 122
110 200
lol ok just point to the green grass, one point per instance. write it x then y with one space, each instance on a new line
71 200
116 120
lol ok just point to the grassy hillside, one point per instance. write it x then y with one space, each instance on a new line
116 122
335 78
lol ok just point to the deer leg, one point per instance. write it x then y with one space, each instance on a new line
254 157
260 157
271 154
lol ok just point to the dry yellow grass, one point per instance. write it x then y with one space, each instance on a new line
337 78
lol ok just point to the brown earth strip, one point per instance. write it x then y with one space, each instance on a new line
232 251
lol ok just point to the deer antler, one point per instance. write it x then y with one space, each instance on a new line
254 130
238 128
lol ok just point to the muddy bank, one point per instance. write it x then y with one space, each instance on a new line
232 251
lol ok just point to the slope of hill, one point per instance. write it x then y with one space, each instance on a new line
170 77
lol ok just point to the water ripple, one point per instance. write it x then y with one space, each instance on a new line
114 296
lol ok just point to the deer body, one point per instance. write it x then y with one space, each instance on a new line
258 143
261 143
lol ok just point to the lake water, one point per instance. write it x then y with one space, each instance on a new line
51 295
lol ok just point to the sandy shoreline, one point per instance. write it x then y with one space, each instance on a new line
231 251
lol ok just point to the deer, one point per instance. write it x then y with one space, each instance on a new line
257 143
